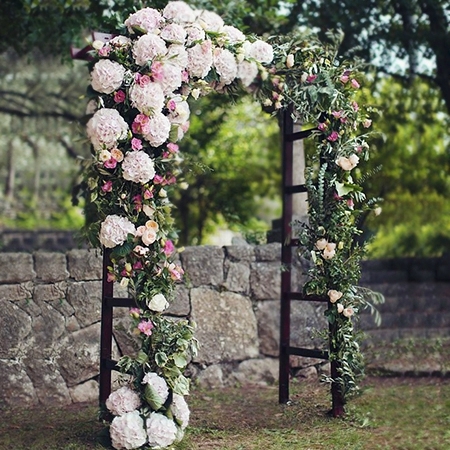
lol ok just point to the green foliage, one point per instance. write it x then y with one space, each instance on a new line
232 162
412 146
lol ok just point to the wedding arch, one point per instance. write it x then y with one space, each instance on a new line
140 84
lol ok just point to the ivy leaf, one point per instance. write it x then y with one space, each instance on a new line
343 189
153 398
123 250
180 360
161 359
181 386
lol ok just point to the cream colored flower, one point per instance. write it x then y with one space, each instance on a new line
340 307
329 251
348 312
334 295
347 163
321 244
290 61
158 303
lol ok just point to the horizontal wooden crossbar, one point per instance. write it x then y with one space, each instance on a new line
291 137
305 298
308 352
121 302
109 364
296 189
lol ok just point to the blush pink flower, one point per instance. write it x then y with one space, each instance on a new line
334 136
311 78
354 84
136 144
107 186
110 163
119 97
169 248
146 327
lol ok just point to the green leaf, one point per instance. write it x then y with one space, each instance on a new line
343 189
179 360
181 386
153 398
161 359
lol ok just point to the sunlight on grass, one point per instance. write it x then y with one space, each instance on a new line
391 413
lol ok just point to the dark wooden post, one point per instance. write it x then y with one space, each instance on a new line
337 398
106 331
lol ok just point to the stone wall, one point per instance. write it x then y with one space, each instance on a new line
50 317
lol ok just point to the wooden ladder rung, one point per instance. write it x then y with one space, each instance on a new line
295 189
308 352
304 298
120 302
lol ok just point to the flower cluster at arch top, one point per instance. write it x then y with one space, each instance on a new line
140 85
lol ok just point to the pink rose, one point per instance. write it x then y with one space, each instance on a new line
136 144
119 97
334 136
169 248
107 186
111 163
146 327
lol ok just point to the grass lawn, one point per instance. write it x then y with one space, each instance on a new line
391 413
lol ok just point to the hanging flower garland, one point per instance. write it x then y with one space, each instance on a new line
140 84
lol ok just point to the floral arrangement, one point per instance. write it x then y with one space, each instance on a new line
140 86
322 90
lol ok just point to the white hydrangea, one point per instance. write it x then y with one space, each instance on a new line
158 130
177 55
179 12
122 401
200 59
195 33
210 21
127 431
180 114
171 78
114 230
247 72
233 35
138 167
148 47
148 99
180 410
158 384
161 431
225 65
261 51
174 33
107 76
105 128
146 19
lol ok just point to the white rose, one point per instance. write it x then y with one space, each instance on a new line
107 76
138 167
114 231
334 295
161 431
158 303
127 431
105 128
122 401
